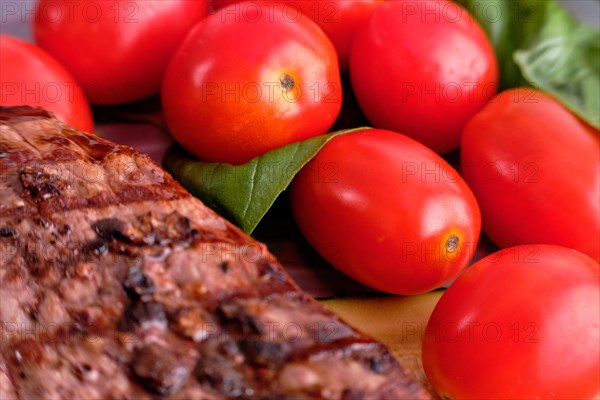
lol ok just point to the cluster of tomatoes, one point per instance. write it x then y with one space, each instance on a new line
238 79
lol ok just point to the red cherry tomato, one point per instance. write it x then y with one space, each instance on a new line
387 211
247 82
535 170
117 50
30 76
423 68
339 19
521 323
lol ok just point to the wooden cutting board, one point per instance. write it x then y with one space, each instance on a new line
397 321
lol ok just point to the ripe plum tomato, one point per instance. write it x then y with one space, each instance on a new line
423 68
387 211
339 19
30 76
247 82
535 170
521 323
117 50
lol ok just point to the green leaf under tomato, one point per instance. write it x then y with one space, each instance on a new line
538 43
244 193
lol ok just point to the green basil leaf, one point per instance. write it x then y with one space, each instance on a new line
245 193
564 61
538 43
510 24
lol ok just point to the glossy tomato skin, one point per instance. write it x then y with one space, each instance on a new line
535 170
387 211
521 323
244 83
117 50
423 68
30 76
339 19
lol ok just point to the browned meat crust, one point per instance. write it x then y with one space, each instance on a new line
116 283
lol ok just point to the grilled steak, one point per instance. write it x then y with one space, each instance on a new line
116 283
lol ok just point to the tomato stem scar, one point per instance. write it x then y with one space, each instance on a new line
287 82
452 244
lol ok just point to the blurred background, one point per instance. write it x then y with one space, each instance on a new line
586 10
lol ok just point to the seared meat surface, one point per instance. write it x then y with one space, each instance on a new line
116 283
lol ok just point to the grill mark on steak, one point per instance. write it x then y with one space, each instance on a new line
116 283
8 232
39 185
163 370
